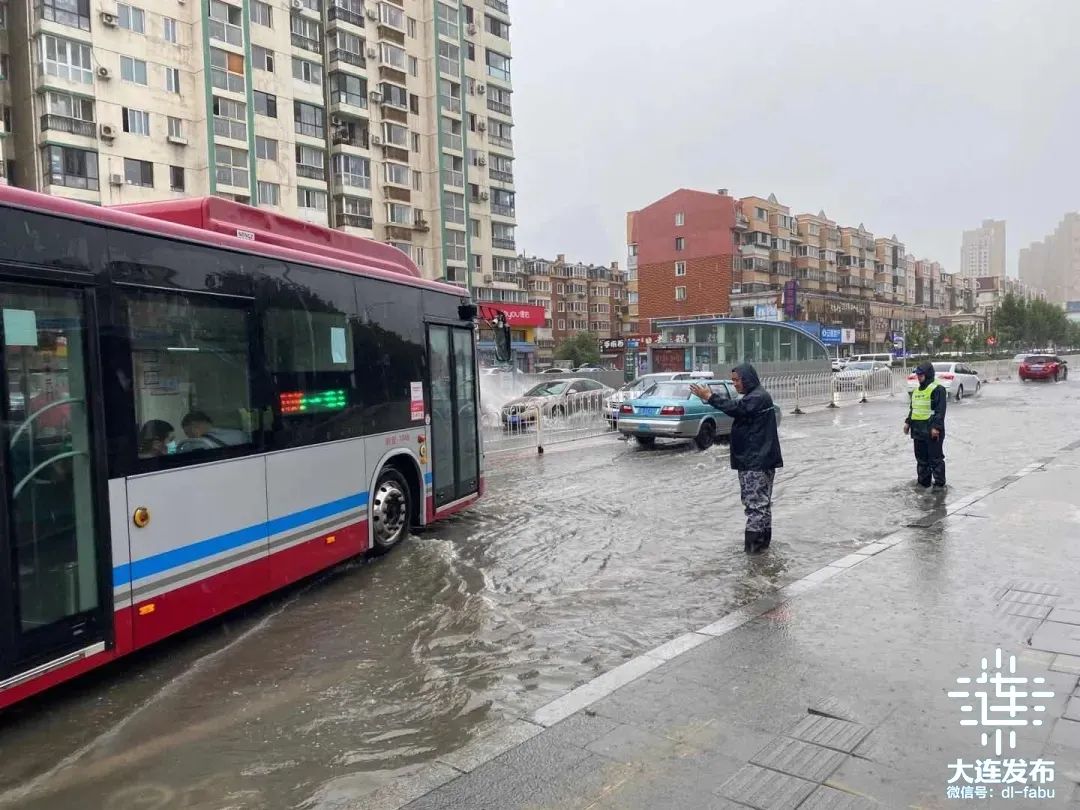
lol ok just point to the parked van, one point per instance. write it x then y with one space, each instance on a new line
883 357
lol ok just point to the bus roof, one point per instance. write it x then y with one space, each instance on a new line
215 221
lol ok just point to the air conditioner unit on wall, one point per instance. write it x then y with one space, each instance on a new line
481 160
481 126
373 13
103 72
109 19
108 131
372 53
116 179
484 195
481 88
377 140
296 5
472 29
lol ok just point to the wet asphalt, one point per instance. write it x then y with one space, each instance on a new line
575 561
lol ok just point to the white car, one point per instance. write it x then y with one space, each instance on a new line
958 379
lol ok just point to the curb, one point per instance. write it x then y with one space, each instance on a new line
484 749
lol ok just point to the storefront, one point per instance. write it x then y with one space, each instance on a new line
719 344
524 320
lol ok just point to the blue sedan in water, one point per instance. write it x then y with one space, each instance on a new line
669 411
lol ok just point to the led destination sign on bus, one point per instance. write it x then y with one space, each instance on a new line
296 402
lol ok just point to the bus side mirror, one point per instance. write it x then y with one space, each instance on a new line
502 340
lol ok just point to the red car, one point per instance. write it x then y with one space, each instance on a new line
1043 367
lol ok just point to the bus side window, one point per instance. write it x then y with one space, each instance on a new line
192 373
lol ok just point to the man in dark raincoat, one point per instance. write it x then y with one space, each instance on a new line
755 450
926 424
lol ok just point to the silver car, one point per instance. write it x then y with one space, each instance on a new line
554 399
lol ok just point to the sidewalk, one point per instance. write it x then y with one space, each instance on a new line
831 693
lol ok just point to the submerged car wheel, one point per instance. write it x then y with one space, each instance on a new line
391 509
646 441
706 435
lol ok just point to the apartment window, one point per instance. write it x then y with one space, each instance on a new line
73 13
268 193
311 198
416 142
169 30
309 120
498 65
453 207
262 14
680 293
474 228
226 23
680 219
310 162
176 127
449 59
680 268
66 59
397 173
227 71
172 79
348 89
418 181
139 172
131 18
410 25
306 34
500 133
351 170
478 263
562 323
231 166
395 135
680 243
452 138
399 213
64 105
314 5
392 15
454 173
265 104
394 96
450 96
455 246
5 67
392 55
762 214
497 28
230 119
353 211
419 256
262 58
446 21
137 122
414 66
176 178
470 51
70 167
307 72
133 70
266 148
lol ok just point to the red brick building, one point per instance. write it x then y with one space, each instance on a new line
684 246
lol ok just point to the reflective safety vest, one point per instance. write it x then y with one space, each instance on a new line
920 402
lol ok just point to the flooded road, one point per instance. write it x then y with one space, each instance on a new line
575 561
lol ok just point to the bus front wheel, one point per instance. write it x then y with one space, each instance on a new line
390 509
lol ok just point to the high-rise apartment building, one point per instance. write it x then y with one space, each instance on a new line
1053 265
390 119
982 252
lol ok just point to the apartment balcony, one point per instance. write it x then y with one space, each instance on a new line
348 57
503 244
501 177
310 172
502 210
72 126
741 222
306 43
338 14
510 278
499 107
361 140
505 143
355 221
755 252
631 262
498 5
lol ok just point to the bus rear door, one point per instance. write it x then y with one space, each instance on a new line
455 451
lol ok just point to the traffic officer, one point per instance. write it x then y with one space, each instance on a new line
926 425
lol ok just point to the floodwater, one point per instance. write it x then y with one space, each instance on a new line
575 561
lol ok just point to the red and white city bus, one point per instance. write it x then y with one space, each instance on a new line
201 402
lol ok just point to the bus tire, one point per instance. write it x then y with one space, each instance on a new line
391 510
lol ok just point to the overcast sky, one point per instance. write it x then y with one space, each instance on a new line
916 117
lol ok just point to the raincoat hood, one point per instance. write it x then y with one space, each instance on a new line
749 377
927 369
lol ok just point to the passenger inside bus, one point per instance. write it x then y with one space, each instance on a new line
156 439
202 435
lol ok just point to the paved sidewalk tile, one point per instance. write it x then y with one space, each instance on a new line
765 789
